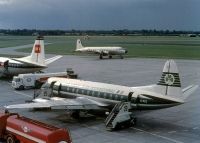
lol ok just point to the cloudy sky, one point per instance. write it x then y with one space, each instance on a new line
100 14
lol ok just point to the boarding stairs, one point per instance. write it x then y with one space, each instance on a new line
119 115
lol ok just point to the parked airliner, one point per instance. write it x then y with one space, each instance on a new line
86 95
35 62
101 51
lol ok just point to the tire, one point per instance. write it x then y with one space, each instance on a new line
110 57
21 87
75 115
100 57
10 139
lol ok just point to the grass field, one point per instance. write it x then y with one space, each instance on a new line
10 41
137 46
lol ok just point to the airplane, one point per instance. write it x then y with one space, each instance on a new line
32 63
79 95
102 51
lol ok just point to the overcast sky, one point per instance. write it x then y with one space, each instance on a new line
100 14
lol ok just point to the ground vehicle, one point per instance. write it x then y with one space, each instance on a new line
19 129
24 81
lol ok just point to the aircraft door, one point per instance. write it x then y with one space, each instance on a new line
57 88
47 89
130 97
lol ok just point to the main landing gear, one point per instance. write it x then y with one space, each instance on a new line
101 56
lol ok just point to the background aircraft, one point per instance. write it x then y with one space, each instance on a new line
35 62
101 51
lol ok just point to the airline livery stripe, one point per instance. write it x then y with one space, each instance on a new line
25 135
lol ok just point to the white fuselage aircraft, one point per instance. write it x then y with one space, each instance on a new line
35 62
101 51
85 95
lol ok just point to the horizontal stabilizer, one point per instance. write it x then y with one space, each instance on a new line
50 60
188 91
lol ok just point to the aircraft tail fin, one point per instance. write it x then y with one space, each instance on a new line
169 83
79 44
38 54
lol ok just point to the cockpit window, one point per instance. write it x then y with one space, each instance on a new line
16 79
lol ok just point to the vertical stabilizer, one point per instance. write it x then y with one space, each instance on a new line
169 83
78 44
38 55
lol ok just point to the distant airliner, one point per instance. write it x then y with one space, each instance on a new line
35 62
101 51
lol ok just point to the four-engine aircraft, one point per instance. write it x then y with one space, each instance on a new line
101 51
35 62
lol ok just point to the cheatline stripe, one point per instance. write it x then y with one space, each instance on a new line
25 135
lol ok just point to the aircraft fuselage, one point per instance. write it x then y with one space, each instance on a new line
14 67
111 94
104 50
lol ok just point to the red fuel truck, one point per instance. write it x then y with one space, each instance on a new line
19 129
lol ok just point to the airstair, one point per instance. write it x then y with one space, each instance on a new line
120 116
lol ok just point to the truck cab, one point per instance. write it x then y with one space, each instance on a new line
17 83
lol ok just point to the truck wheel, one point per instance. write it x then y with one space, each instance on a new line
10 139
21 87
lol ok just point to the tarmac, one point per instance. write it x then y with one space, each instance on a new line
179 124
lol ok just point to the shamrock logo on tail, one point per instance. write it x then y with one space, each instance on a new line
169 79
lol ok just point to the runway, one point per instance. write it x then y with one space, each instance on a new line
179 124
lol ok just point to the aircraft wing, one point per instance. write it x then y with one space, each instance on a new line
80 103
50 60
100 52
27 62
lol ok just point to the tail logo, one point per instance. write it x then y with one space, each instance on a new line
169 79
37 48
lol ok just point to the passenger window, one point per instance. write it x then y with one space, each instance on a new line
104 95
85 92
90 94
95 94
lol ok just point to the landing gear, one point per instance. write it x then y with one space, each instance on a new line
121 57
101 57
75 114
110 56
21 87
